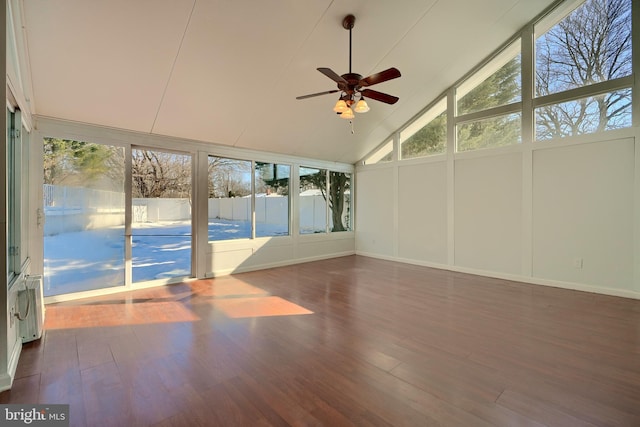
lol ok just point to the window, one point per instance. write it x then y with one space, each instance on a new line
488 104
229 198
586 115
340 201
312 200
427 135
382 155
590 47
272 199
497 83
161 227
581 82
492 132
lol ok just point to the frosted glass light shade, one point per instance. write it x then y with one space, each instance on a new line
340 106
361 106
347 114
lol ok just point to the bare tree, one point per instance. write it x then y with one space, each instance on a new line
160 175
590 45
228 177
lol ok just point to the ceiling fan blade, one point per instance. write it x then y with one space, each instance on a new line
382 76
334 76
379 96
311 95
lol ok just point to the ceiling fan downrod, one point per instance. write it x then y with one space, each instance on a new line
348 23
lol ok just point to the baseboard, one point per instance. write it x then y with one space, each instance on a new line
513 277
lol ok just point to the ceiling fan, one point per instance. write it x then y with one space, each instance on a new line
353 86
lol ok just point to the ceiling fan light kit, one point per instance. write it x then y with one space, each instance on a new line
353 87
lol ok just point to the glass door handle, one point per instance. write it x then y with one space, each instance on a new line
39 217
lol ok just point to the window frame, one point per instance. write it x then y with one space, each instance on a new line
15 191
383 150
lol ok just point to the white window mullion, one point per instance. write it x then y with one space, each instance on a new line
253 199
128 217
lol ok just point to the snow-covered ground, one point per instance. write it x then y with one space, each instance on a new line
94 259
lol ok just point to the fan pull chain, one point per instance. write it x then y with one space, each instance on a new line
352 131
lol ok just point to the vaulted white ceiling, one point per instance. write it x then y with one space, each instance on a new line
227 72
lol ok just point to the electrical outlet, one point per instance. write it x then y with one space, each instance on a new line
577 262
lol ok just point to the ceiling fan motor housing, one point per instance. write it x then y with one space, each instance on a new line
353 82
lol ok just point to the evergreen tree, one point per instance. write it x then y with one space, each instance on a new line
431 139
77 163
501 88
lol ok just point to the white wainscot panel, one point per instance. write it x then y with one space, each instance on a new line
583 214
228 261
268 252
334 244
229 256
488 213
422 212
374 211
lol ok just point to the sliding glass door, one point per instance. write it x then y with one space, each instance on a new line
161 214
84 209
85 239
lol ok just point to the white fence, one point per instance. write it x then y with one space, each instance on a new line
69 209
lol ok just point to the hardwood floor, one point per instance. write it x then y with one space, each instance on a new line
346 341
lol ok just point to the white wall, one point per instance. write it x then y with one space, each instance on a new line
560 213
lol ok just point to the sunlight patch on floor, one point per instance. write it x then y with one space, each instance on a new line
236 308
119 313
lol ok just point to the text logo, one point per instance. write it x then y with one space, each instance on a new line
34 415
